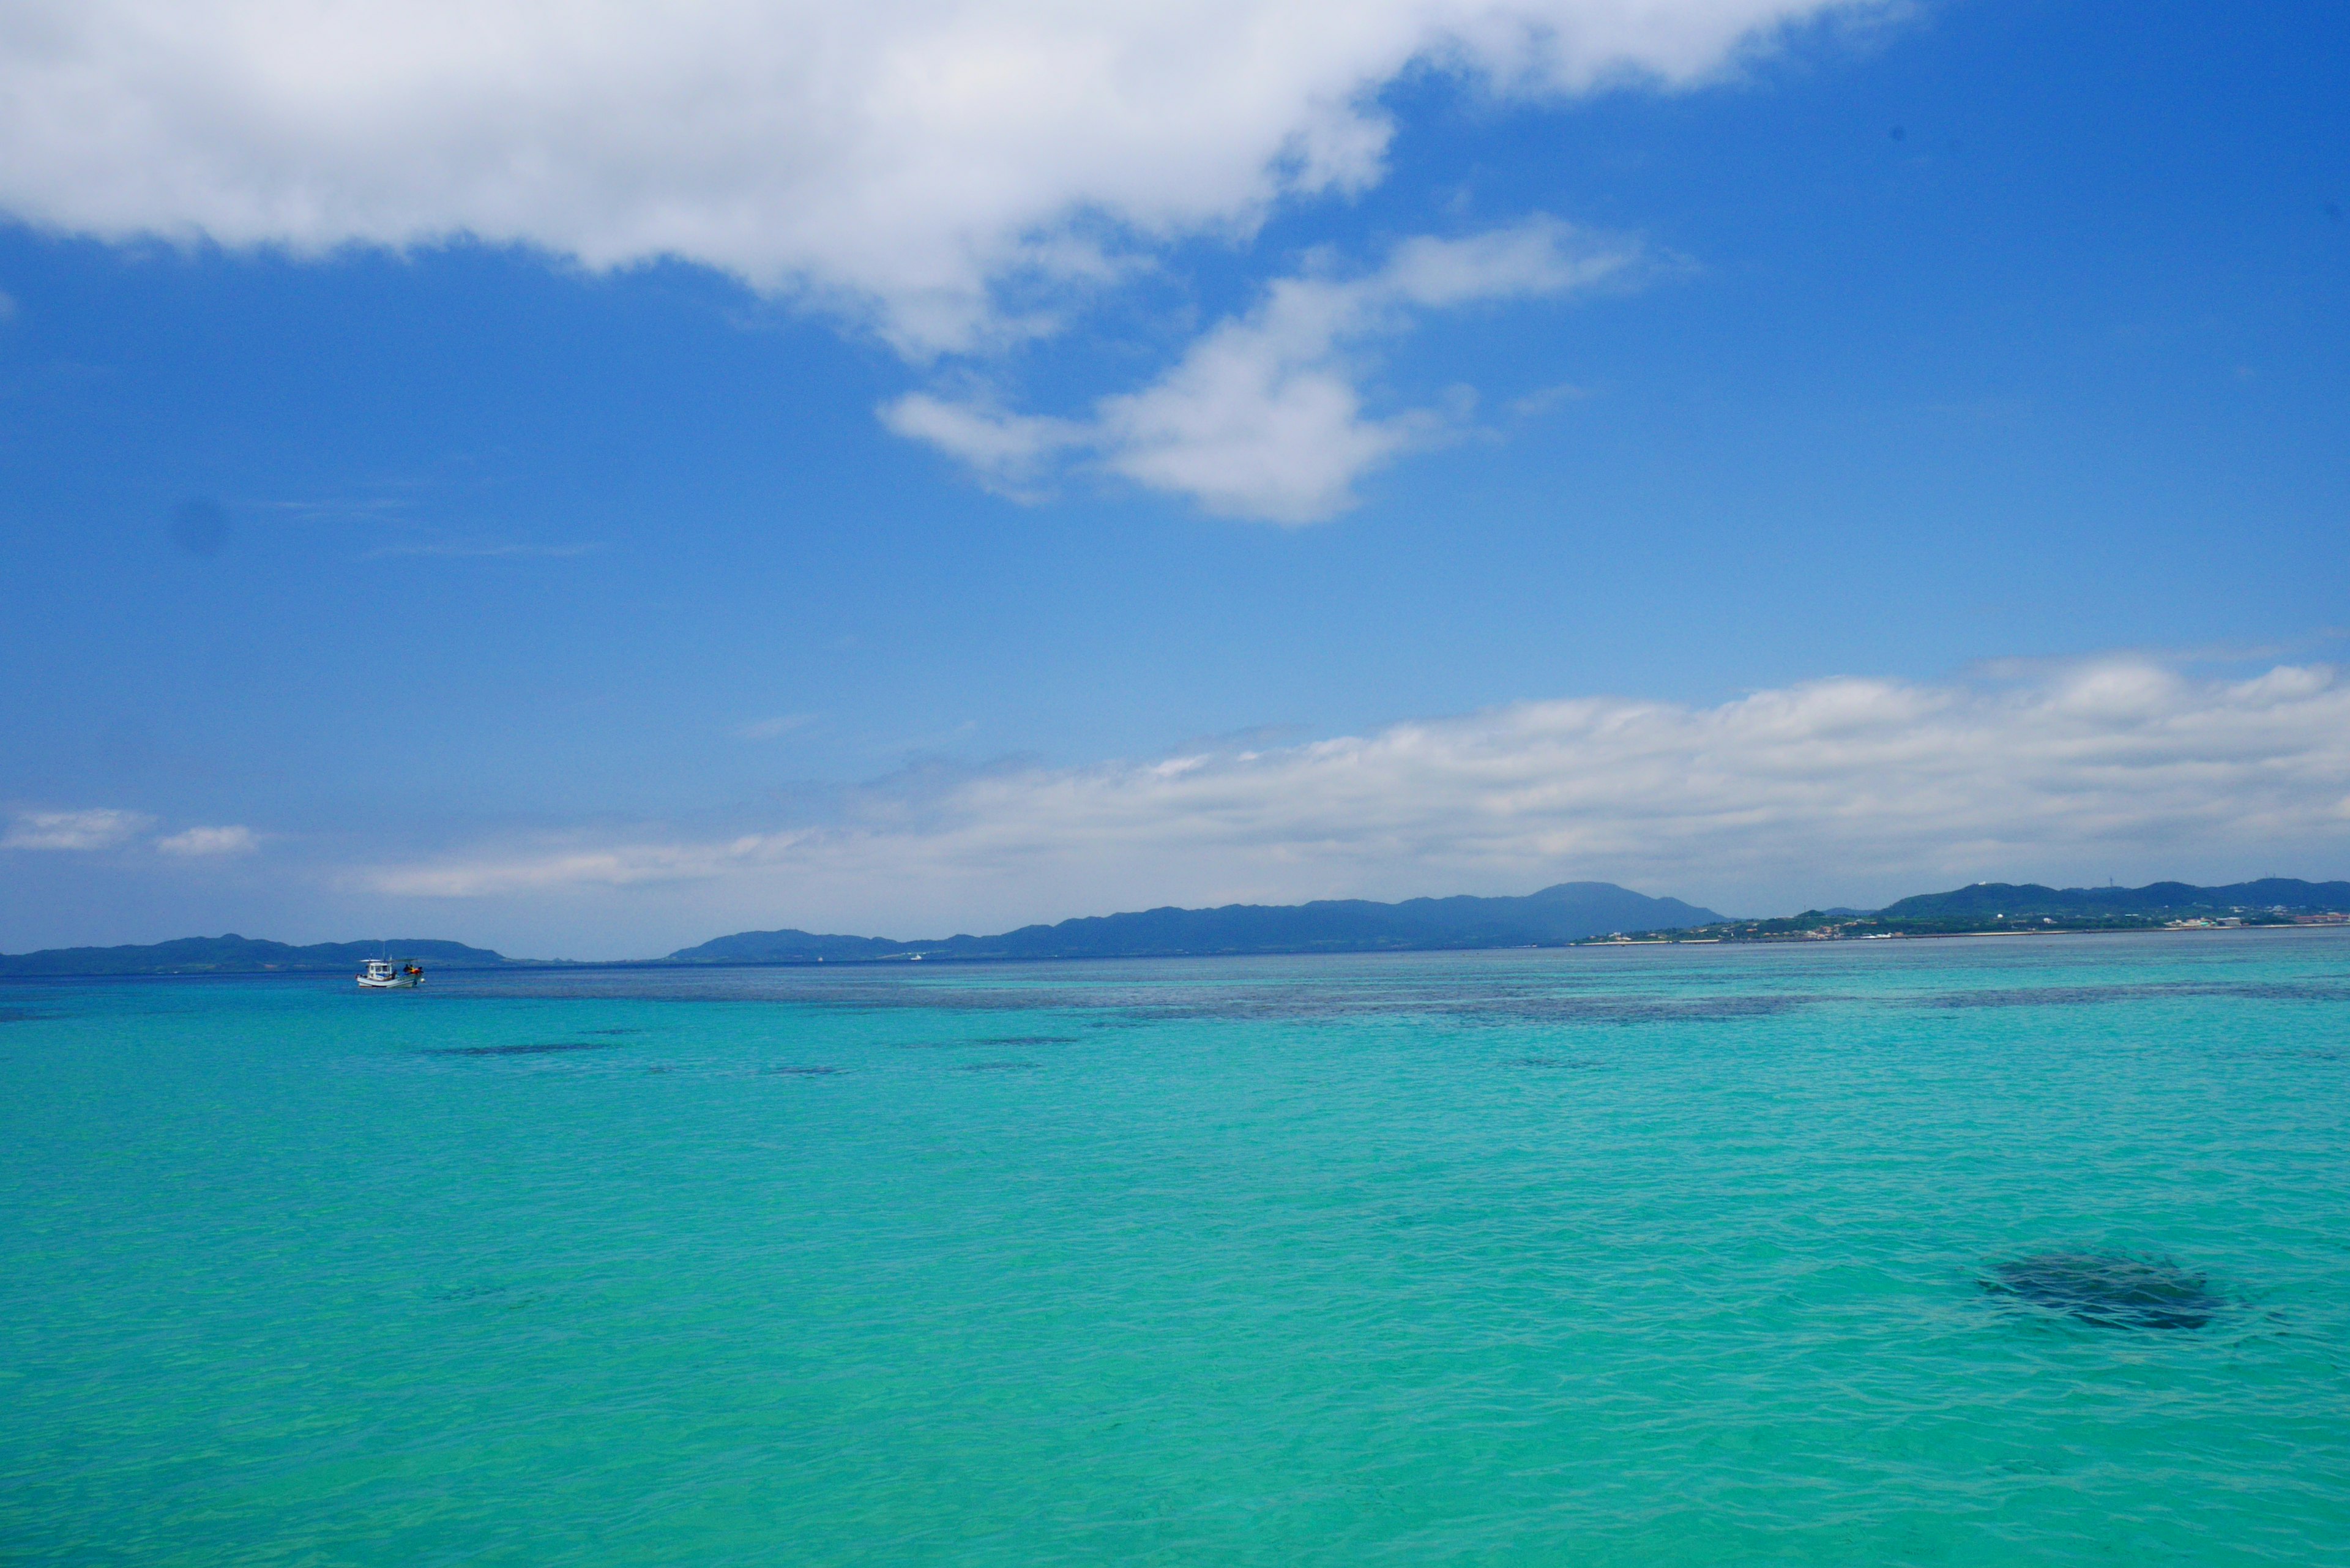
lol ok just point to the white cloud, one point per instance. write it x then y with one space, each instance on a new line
908 160
1263 416
209 841
95 829
1833 790
1008 452
574 866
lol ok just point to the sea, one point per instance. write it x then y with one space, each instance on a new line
1970 1252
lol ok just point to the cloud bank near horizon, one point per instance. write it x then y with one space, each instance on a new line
100 828
1826 791
97 827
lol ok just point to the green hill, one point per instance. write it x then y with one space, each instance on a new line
1553 916
2165 900
1989 907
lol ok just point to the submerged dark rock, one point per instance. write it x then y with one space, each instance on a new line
536 1048
471 1292
2112 1289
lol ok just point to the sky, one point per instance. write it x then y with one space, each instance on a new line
584 480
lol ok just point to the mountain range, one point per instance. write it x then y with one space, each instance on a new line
2010 908
1565 913
1986 900
1570 911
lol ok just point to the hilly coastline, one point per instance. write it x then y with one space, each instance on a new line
1553 916
232 954
2163 901
1569 913
1557 915
1985 908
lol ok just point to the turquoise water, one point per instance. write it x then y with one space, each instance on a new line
1657 1256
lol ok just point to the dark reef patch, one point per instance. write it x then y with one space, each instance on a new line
998 1040
2279 990
804 1072
507 1298
2091 995
2038 996
996 1067
1575 1062
1633 1009
19 1015
1125 997
611 1031
2112 1289
1504 1010
536 1048
472 1293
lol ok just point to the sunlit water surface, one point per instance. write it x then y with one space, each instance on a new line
1691 1255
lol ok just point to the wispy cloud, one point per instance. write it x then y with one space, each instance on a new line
576 866
926 744
1543 400
207 841
376 509
1263 417
1834 789
775 728
482 549
1010 453
98 828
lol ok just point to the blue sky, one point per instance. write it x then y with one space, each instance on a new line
1788 456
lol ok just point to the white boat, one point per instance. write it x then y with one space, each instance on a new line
382 974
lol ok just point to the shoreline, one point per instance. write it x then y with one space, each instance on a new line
567 966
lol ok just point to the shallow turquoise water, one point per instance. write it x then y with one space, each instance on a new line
1657 1256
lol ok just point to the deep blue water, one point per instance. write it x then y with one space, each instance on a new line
1687 1255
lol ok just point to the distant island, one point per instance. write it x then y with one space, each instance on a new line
1551 918
240 955
1988 909
1569 914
